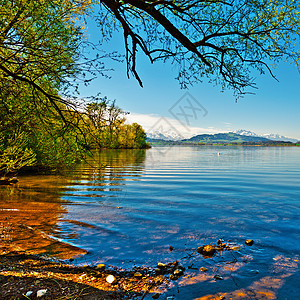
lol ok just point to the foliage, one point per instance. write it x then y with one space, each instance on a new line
14 154
222 40
41 65
107 127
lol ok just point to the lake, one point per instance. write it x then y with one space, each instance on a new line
127 207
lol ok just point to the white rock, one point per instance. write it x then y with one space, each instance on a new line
41 293
29 293
110 278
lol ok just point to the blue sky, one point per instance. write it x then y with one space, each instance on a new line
275 107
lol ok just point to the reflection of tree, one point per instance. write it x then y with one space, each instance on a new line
29 217
30 213
110 168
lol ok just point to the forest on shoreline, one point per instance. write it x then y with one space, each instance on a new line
27 141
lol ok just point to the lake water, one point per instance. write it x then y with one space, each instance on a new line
126 207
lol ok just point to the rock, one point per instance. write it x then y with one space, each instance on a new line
155 296
203 269
173 277
181 268
41 293
249 242
235 248
178 272
111 279
100 267
220 241
170 298
174 264
171 248
138 274
161 265
218 277
207 250
28 294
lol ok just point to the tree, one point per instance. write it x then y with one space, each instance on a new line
223 40
40 48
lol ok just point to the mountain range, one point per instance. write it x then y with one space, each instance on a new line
270 136
229 137
237 136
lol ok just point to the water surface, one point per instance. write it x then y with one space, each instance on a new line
126 207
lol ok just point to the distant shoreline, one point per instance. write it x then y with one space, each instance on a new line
244 144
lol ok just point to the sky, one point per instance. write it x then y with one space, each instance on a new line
274 108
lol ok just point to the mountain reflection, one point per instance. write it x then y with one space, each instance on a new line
31 212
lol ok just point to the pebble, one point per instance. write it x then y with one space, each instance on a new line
161 265
41 293
138 274
249 242
100 267
29 293
178 272
110 278
218 277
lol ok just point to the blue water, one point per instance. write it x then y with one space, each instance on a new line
133 204
183 195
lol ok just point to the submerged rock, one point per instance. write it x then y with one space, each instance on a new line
207 250
235 248
249 242
178 272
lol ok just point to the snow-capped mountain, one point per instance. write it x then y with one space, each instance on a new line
271 136
170 134
245 132
167 135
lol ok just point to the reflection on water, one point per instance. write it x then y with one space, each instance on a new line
127 207
31 212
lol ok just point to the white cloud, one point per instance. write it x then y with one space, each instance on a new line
148 122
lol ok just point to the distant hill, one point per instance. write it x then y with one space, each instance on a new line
225 138
221 138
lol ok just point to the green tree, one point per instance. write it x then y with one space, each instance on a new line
40 44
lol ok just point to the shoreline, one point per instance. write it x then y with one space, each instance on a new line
24 274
